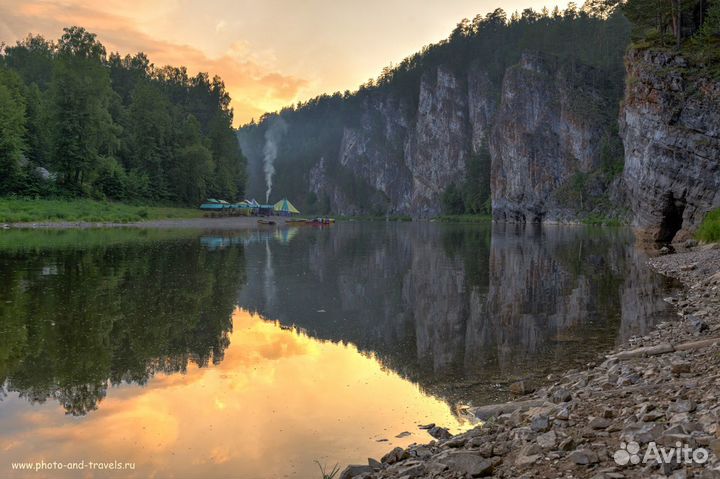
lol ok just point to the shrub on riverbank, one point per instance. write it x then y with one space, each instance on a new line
709 230
17 210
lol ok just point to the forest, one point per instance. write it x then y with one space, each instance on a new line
78 122
691 25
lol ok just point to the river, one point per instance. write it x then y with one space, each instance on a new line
259 354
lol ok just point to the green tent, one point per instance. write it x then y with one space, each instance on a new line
285 208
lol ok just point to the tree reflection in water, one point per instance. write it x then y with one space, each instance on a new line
78 317
457 309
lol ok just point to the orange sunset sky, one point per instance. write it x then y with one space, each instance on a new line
270 53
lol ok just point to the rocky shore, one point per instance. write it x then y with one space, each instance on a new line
647 409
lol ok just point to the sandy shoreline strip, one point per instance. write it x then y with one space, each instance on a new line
222 223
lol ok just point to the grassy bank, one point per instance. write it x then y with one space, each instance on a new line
709 230
16 210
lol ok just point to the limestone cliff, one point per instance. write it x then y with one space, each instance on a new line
534 133
547 124
670 125
411 153
549 128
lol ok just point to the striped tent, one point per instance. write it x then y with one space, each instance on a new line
285 208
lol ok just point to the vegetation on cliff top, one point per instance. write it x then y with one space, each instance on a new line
75 122
690 26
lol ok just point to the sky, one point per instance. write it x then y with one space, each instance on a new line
270 53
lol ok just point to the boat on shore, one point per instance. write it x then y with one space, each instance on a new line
323 221
266 222
319 221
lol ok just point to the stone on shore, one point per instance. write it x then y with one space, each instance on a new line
520 388
394 456
467 462
355 470
439 433
583 457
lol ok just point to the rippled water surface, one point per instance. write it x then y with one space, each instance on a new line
254 354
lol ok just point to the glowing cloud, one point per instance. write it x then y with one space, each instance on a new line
255 88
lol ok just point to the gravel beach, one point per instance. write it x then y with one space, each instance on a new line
647 409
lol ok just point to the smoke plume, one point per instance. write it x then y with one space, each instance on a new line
273 134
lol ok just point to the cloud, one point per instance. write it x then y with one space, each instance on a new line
253 85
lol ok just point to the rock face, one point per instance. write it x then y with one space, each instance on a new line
398 150
544 125
439 144
670 126
411 153
547 130
375 152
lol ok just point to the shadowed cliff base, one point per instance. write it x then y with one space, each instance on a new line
670 123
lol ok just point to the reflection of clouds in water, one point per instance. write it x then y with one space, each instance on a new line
278 399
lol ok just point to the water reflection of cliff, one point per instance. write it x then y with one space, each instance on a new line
456 308
76 319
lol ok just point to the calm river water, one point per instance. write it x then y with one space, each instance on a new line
254 354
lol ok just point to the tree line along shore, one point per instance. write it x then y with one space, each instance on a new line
76 122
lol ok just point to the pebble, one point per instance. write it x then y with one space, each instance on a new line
439 433
583 457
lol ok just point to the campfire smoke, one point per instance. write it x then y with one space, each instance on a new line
273 135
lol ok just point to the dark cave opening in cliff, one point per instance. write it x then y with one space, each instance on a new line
672 218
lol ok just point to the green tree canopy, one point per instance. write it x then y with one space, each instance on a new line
115 127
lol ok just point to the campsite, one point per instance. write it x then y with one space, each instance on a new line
284 208
249 208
